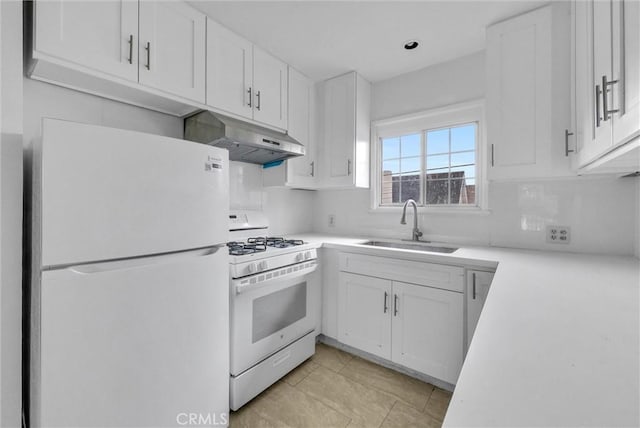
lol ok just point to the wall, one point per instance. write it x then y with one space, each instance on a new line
289 211
601 212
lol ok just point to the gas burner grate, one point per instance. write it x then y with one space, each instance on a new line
241 248
286 243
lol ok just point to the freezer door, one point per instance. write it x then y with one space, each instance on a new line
137 343
104 193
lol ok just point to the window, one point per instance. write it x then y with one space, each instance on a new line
432 158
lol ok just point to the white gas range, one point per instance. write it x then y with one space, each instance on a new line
272 327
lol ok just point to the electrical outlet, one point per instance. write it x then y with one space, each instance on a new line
558 234
332 220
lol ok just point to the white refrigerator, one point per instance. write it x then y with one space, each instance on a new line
129 296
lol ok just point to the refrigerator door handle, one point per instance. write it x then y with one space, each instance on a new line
135 262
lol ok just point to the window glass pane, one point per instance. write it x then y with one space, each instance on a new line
392 166
462 192
386 193
463 171
390 148
437 191
438 163
463 138
463 159
411 166
410 188
410 145
438 141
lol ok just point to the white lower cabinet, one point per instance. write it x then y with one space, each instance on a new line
417 326
364 313
427 330
478 283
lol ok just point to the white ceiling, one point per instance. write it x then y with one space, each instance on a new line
323 39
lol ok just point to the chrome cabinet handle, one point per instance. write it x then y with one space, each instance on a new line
130 48
598 118
395 305
605 99
348 166
313 168
250 97
258 104
492 156
386 299
148 49
473 282
566 142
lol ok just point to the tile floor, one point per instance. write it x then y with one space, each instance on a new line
336 389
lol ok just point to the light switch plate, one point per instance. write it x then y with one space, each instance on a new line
332 220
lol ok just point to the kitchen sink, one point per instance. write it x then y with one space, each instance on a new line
411 246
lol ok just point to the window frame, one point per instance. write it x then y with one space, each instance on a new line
442 117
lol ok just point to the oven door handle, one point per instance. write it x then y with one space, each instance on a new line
307 268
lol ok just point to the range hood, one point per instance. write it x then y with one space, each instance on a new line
245 142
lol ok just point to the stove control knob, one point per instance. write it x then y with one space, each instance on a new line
263 265
251 268
307 255
299 257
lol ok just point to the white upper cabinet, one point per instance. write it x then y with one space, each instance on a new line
172 48
244 80
147 53
298 172
270 89
607 85
345 148
626 70
229 71
102 36
302 170
528 94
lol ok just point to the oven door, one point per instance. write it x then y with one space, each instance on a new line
269 311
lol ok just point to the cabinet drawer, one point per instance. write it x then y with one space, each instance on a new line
428 274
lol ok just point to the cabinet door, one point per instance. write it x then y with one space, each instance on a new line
101 35
172 48
427 330
626 70
364 313
270 89
301 170
478 283
519 96
339 130
229 71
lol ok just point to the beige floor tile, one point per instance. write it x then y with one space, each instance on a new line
411 391
330 357
403 415
365 406
287 406
300 372
247 417
438 403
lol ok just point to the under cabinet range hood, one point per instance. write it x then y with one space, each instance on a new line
245 142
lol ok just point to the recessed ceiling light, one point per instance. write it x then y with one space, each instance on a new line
411 44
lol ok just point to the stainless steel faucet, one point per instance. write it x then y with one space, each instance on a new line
416 232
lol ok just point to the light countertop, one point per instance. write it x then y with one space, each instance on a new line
558 341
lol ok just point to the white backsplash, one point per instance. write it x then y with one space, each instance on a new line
289 211
601 212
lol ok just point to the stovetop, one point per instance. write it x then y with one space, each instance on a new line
261 244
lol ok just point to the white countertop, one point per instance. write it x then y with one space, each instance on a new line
558 341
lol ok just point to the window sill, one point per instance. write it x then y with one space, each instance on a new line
476 211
